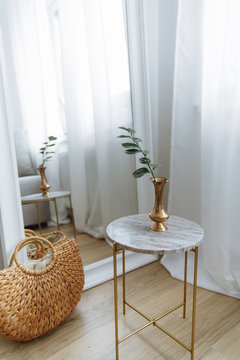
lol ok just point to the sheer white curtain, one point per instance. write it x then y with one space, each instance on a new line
205 158
31 92
11 221
151 28
97 101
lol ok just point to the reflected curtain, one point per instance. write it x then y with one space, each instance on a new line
97 102
31 92
205 150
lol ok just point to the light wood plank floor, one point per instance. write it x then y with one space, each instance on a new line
91 249
88 333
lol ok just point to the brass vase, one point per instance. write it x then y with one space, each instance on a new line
159 214
44 186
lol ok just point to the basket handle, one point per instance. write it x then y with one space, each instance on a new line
29 233
32 240
38 243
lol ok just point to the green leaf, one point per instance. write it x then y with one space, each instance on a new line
145 152
41 152
136 139
123 128
43 148
132 131
47 158
124 136
45 143
132 151
144 160
129 145
52 138
50 145
50 152
140 172
154 166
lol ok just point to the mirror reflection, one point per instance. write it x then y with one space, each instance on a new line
70 71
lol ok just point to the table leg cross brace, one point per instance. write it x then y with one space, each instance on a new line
153 322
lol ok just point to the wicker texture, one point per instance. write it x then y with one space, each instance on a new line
32 302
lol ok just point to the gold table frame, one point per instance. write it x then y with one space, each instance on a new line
153 322
60 194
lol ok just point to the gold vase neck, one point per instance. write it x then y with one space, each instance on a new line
159 180
41 169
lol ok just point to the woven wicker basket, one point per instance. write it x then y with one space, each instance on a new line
32 302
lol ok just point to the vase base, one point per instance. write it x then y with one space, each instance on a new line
45 193
158 227
45 189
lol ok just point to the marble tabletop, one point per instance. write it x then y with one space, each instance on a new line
134 233
39 197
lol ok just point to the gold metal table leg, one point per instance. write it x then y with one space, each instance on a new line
38 216
56 211
153 322
185 285
194 301
115 297
123 280
73 222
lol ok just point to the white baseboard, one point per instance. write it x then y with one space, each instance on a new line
101 271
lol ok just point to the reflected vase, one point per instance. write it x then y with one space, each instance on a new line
44 186
159 215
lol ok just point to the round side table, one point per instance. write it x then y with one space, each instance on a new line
38 198
134 233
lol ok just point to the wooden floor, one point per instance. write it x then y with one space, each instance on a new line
91 249
88 333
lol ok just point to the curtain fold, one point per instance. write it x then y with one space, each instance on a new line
150 26
205 150
97 101
28 48
11 220
31 93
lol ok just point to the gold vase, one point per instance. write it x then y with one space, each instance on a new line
159 214
44 186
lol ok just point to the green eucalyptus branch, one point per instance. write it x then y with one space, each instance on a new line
133 148
44 150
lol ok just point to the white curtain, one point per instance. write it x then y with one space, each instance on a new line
205 157
31 93
11 221
151 28
97 102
